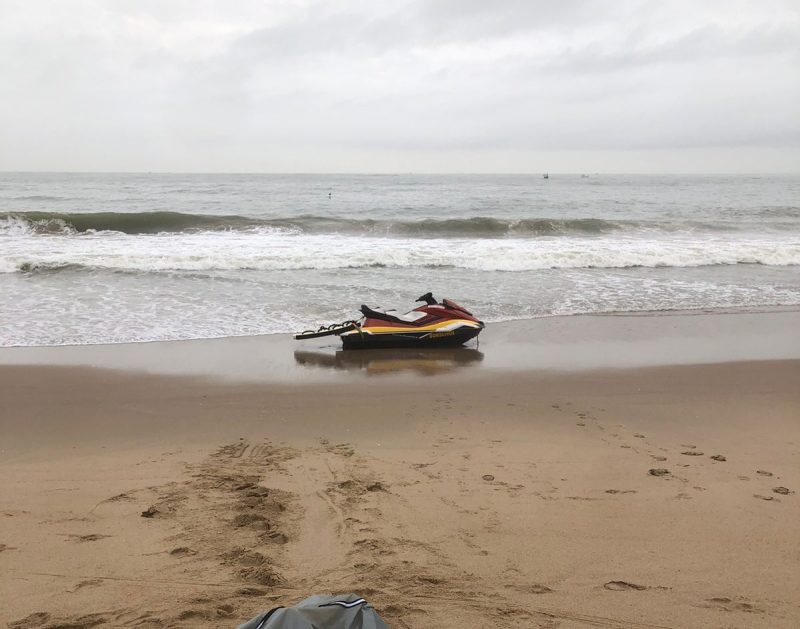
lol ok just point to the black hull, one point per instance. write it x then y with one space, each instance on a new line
409 339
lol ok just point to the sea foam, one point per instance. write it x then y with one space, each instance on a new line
272 252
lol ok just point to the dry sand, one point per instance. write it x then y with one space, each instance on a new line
477 498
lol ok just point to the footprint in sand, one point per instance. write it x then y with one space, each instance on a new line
36 619
622 586
150 512
87 583
232 450
120 497
93 537
731 605
44 619
419 466
692 453
342 449
767 498
533 588
226 609
764 472
194 614
255 520
182 551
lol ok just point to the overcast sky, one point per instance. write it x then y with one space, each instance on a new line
400 86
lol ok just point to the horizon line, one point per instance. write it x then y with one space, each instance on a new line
393 173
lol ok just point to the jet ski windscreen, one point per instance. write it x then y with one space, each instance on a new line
454 306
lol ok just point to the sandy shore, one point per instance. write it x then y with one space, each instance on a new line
451 490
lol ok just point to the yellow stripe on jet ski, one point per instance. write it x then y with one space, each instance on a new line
450 324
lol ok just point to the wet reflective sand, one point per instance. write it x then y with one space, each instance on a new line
555 343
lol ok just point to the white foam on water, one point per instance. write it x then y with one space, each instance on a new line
86 307
242 255
270 251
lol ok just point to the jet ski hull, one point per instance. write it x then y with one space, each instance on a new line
364 338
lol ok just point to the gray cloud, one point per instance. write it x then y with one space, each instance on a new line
415 85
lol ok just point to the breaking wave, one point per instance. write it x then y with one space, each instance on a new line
124 222
286 253
134 223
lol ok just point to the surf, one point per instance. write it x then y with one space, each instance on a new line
158 222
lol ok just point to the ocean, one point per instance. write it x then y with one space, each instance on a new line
101 258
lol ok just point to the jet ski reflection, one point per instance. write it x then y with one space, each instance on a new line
383 361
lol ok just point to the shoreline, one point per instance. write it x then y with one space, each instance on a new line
611 313
598 489
568 343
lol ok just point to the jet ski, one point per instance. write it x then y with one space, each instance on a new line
433 324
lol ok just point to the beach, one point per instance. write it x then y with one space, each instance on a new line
606 471
202 205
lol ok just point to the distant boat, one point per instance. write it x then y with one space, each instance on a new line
546 176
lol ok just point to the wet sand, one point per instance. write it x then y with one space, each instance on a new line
572 343
451 490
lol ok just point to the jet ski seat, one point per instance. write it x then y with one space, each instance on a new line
408 317
376 314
